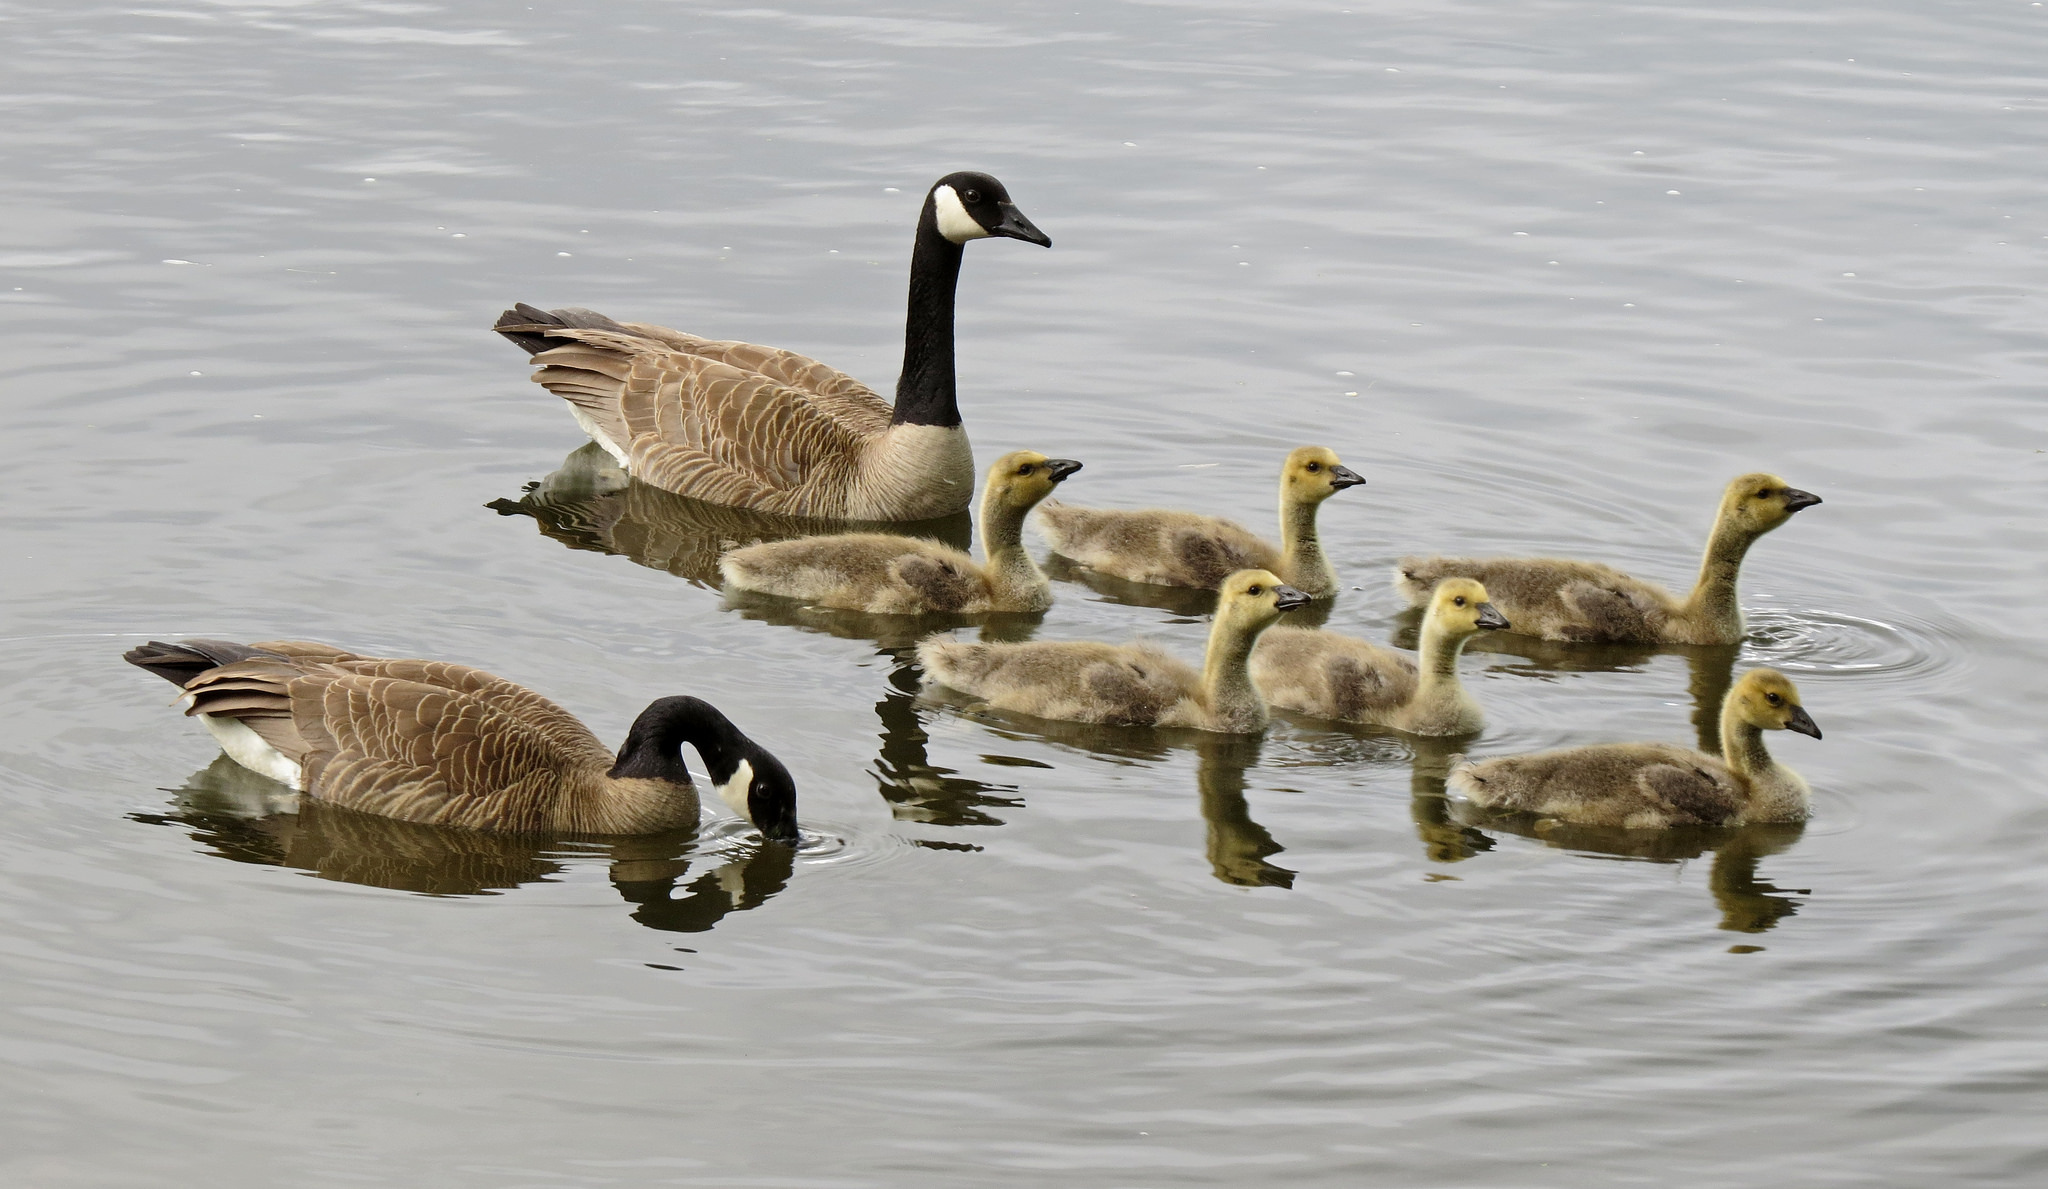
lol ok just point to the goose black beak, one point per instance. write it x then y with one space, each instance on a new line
1491 619
1342 477
1802 722
1796 499
1059 468
1014 225
1286 598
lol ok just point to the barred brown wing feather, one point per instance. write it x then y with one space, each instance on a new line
562 729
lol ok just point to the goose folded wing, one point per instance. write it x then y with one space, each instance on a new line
562 729
840 394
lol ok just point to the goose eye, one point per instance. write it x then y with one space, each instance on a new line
1773 699
1315 466
972 195
1255 588
1025 469
1459 601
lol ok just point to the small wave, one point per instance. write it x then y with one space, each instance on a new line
830 846
1802 640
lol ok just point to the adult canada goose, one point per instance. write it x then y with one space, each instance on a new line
1581 600
1342 677
757 427
880 572
1653 785
444 744
1127 684
1170 548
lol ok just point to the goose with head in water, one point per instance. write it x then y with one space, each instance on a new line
756 427
444 744
1339 677
1127 684
1655 785
1170 548
886 574
1559 599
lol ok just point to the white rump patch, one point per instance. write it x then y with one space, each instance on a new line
954 221
734 792
600 437
247 748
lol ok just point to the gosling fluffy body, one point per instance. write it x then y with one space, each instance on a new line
1127 684
1657 785
1559 599
1170 548
1332 676
887 574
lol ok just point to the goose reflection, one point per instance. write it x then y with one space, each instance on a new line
1711 666
589 502
236 814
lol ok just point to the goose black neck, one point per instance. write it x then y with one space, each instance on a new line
654 747
924 391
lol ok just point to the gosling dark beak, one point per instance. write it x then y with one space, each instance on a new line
1286 598
1802 722
1014 225
1796 499
1342 477
1059 468
1491 619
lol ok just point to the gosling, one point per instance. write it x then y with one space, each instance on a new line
1169 548
1576 600
1133 685
1656 785
1341 677
891 575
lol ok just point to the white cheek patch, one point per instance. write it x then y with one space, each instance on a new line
734 792
953 220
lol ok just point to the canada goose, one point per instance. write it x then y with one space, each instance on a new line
1653 785
1169 548
1342 677
444 744
892 575
1127 684
762 428
1579 600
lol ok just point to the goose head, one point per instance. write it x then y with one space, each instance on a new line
744 774
1312 474
1252 599
1459 606
1767 699
1021 478
1760 502
969 205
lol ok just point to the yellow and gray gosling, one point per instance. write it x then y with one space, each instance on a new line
758 427
448 745
1341 677
1171 548
1559 599
1127 684
1653 785
892 575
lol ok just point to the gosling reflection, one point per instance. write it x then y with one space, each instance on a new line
916 789
590 503
1711 666
236 814
1445 839
1238 847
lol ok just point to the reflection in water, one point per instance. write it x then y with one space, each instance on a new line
1238 846
1180 600
1444 838
590 503
239 815
918 790
1712 665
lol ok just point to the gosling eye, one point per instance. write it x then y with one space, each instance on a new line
1315 466
1255 588
1764 494
1773 699
1025 469
972 196
1459 601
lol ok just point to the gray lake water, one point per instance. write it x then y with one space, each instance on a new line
1548 275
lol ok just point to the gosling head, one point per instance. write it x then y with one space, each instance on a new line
1460 606
1760 502
1256 598
1312 474
1767 698
968 205
1021 478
